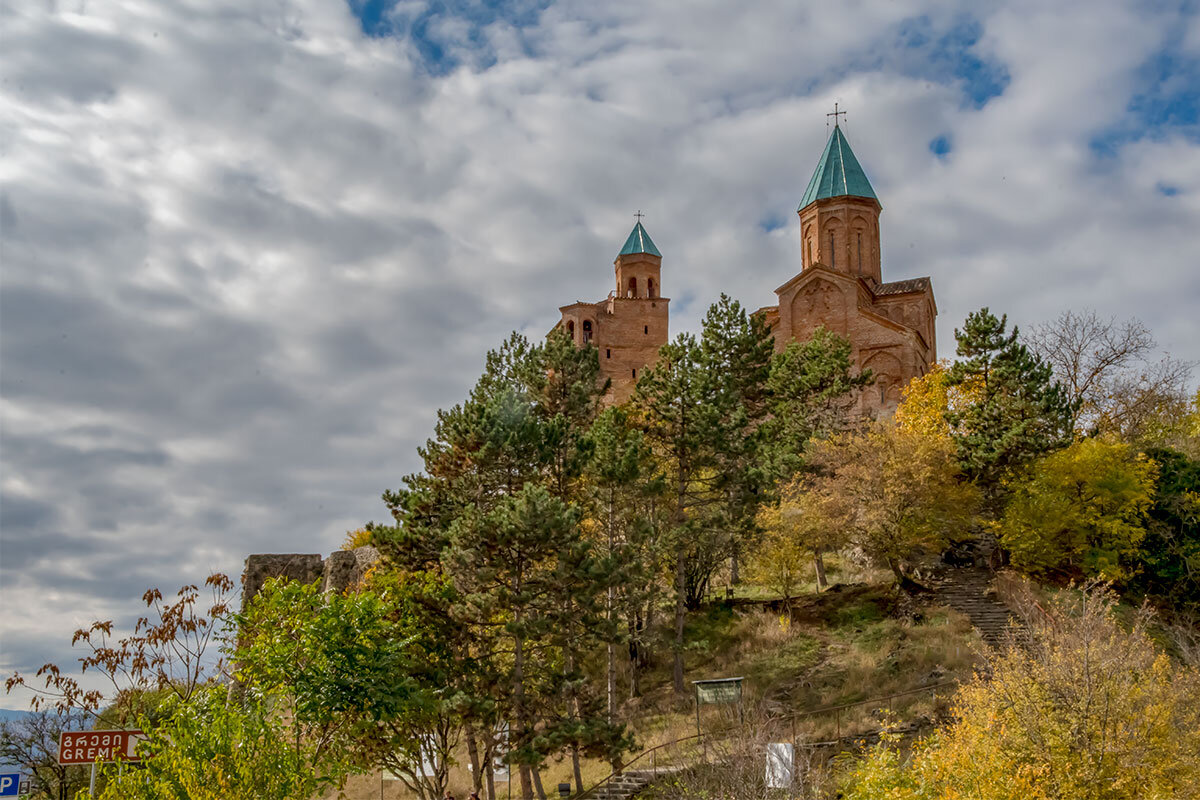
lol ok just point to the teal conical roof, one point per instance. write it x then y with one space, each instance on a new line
639 242
838 173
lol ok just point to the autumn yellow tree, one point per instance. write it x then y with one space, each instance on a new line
1087 709
779 563
800 525
924 402
891 492
359 537
1080 510
1193 418
927 399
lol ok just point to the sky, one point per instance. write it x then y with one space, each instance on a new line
249 247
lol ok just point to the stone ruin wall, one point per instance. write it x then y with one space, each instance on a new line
344 569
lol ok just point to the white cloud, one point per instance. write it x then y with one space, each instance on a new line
249 251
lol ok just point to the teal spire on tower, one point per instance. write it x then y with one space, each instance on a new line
838 173
639 242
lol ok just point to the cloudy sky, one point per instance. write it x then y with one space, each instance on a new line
250 246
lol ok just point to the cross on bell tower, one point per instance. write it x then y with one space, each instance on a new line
835 114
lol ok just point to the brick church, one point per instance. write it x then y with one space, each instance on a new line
840 285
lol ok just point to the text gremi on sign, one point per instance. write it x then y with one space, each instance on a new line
88 747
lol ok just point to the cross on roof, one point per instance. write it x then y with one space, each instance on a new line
835 114
639 215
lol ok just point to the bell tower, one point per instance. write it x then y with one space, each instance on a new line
839 214
628 328
639 265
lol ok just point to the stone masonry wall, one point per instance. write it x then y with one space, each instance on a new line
344 569
629 339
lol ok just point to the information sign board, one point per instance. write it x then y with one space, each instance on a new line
88 747
10 784
721 690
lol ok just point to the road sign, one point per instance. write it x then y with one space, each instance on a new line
88 747
10 784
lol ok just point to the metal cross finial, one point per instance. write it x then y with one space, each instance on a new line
835 114
639 215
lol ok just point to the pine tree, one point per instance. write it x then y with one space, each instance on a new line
525 428
483 449
1018 411
523 570
626 505
675 408
811 390
735 352
566 389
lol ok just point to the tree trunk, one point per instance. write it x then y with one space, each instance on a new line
476 764
612 678
575 715
734 561
574 708
610 601
519 707
635 656
490 774
537 782
680 615
819 563
575 764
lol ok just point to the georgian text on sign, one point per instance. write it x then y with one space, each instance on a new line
88 747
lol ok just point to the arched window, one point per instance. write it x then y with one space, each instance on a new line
571 329
832 250
859 250
632 287
650 287
810 249
587 331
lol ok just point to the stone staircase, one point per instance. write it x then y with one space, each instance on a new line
629 783
969 591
